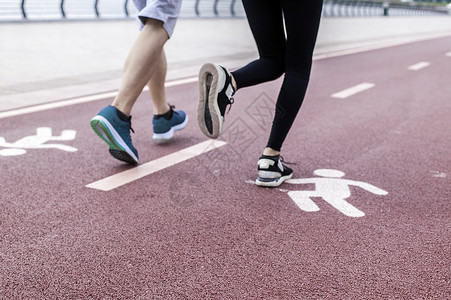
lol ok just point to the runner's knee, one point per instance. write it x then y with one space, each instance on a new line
277 65
298 67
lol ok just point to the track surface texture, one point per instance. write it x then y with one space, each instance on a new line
201 230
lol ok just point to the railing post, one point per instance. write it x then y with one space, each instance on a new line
364 8
326 8
126 9
232 8
196 8
386 6
215 7
96 8
22 7
63 13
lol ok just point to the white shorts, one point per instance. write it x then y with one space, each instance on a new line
166 11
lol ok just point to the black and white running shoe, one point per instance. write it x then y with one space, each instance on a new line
271 171
215 94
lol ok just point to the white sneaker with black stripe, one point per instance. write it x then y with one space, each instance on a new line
271 171
215 94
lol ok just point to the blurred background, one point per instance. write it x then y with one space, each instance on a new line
14 10
59 49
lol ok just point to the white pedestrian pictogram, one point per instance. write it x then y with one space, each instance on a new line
38 141
333 189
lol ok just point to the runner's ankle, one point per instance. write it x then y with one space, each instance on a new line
270 152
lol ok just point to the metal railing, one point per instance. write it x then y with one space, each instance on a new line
356 8
62 9
26 10
215 8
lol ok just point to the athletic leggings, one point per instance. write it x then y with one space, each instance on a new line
291 55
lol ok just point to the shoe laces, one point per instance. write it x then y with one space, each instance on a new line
282 160
172 108
229 104
231 101
131 129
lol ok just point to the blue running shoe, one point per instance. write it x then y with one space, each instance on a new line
116 133
163 129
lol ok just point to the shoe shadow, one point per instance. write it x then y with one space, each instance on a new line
176 141
123 167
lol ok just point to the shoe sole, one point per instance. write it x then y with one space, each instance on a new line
118 148
170 134
208 113
273 183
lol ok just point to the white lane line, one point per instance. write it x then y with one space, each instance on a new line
353 90
46 106
378 45
448 54
119 179
63 103
418 66
180 81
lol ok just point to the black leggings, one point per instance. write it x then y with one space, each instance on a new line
291 55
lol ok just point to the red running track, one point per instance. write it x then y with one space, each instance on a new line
199 229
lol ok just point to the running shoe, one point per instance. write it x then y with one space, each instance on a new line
116 133
215 94
163 129
271 171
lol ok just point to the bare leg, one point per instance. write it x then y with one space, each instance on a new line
141 63
156 86
271 152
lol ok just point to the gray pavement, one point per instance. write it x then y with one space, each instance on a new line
50 61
